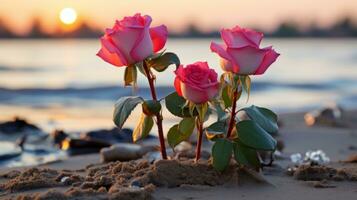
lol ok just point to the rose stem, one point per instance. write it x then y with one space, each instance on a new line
199 140
158 115
233 113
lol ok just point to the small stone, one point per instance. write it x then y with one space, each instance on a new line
135 183
66 180
124 152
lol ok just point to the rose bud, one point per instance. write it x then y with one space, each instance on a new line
241 53
196 82
131 40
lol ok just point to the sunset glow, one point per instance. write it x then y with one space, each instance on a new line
19 14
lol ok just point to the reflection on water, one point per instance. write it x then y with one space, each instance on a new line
13 156
62 84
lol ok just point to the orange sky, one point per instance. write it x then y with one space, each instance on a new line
176 14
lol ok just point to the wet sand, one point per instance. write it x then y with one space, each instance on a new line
337 143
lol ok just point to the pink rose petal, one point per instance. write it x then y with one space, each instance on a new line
158 36
269 58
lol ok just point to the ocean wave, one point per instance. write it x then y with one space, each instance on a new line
113 92
97 93
21 69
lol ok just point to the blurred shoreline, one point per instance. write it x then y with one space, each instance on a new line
345 27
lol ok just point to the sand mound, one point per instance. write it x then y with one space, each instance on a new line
117 180
31 179
174 173
318 173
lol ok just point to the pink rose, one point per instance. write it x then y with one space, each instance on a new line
131 40
197 82
241 53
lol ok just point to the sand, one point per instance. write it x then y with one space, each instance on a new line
337 180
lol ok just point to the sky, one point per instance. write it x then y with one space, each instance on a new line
177 14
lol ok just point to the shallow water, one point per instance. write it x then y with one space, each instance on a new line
62 84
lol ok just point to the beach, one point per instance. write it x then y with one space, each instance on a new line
144 100
337 142
76 94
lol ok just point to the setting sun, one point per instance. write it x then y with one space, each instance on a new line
68 16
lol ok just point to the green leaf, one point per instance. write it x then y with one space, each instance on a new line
130 75
174 136
266 118
221 153
151 107
177 106
245 155
246 82
252 135
143 128
180 132
123 108
187 125
216 130
161 63
227 96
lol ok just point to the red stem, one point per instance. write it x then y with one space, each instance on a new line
199 140
233 114
158 115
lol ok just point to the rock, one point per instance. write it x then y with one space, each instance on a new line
330 115
58 136
92 141
183 146
155 155
9 150
18 125
83 146
112 136
124 152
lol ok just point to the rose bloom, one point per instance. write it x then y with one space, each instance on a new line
131 40
196 82
241 53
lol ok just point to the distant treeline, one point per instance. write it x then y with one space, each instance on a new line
343 28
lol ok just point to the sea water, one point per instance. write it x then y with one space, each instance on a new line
63 84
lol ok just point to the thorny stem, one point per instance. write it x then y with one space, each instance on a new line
199 140
233 113
151 79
